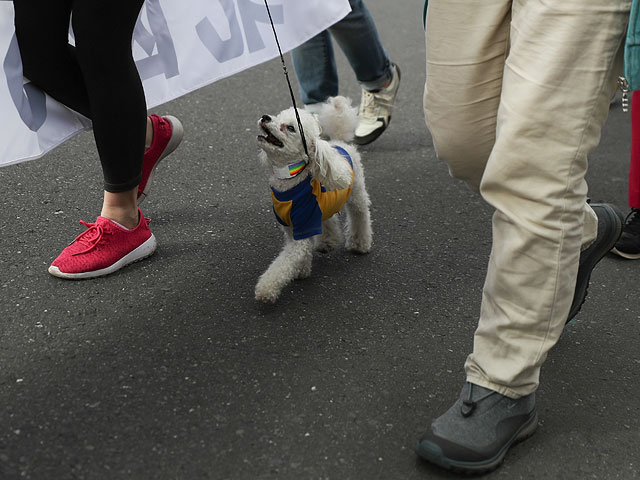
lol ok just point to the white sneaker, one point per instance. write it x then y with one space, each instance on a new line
375 110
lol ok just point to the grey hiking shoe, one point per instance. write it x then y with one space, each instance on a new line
474 435
610 220
375 110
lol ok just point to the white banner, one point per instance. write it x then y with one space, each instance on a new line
179 46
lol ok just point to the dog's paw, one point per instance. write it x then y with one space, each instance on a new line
266 294
325 245
361 246
304 271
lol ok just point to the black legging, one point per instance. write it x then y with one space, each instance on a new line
97 78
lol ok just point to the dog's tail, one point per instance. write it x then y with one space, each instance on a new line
338 119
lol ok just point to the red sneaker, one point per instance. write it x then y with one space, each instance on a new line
167 135
104 248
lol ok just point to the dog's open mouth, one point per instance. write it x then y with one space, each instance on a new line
270 138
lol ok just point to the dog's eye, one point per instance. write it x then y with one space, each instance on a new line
291 128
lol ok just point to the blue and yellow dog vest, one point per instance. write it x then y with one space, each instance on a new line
306 205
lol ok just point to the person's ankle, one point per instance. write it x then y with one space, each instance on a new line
149 137
124 217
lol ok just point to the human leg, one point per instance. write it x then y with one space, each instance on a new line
51 63
634 166
99 79
461 100
91 80
490 132
464 81
357 36
48 61
629 244
121 235
103 32
534 177
315 66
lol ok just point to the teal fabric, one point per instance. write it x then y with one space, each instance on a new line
424 14
632 48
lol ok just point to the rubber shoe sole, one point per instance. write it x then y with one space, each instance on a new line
373 135
600 248
143 251
628 256
176 138
433 453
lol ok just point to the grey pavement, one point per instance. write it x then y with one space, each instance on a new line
169 369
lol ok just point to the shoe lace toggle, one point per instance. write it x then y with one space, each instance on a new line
469 405
90 237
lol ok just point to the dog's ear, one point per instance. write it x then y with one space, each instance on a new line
329 167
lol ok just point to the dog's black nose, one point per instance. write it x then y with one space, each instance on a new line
265 118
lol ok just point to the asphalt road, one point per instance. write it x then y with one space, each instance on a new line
171 370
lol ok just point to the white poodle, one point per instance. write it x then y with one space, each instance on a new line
307 192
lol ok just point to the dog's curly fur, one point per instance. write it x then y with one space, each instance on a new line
281 145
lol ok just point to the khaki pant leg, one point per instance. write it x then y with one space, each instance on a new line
557 83
466 44
520 130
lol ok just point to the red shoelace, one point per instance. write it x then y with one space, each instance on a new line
90 237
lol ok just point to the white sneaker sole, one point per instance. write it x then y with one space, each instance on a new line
628 256
143 251
176 138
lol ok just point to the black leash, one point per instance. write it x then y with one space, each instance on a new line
286 74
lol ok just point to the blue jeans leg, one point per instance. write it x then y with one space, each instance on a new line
357 36
315 66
